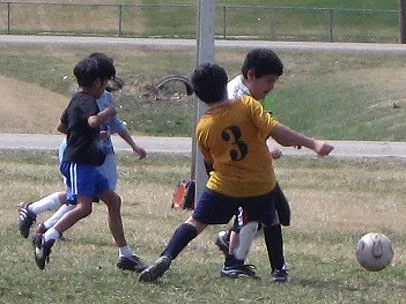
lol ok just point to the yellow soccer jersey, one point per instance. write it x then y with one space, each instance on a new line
233 137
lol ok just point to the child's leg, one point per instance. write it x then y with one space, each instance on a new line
28 211
246 237
50 202
43 243
182 236
274 245
81 210
213 208
127 259
113 202
57 215
234 241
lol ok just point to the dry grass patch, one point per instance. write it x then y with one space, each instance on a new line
26 106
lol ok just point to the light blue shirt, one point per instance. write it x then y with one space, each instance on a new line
114 125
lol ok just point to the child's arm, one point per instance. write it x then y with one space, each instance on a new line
287 137
124 134
100 118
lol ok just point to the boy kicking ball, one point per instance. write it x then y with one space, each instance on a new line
232 136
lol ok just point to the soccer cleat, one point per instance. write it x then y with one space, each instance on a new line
280 276
156 270
26 219
42 250
38 234
223 241
239 271
133 263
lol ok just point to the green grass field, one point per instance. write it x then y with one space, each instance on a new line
334 202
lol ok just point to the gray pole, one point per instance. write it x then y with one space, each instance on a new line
205 53
402 21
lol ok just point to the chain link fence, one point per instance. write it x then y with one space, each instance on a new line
179 21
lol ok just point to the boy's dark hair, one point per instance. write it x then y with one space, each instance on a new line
92 68
209 82
102 56
263 62
115 82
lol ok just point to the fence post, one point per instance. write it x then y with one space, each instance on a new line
120 20
402 21
331 24
272 23
8 18
224 22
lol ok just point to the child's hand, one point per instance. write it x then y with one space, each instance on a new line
110 111
141 152
322 148
275 152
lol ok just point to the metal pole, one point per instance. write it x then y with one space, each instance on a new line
224 22
402 21
205 53
8 18
331 25
120 20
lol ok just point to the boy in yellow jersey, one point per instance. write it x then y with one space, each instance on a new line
258 71
232 136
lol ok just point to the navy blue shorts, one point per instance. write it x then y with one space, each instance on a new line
217 208
281 206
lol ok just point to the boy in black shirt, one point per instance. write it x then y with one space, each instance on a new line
81 121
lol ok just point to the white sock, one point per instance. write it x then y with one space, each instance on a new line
51 234
57 215
45 204
247 235
125 251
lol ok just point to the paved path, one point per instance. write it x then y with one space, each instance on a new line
191 43
183 146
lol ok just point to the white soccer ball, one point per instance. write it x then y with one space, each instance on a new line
374 251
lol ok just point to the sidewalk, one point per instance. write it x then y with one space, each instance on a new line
183 145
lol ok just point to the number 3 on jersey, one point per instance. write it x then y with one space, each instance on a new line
233 133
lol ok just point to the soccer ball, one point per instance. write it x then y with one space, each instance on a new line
374 251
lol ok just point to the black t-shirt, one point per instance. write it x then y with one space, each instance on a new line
82 140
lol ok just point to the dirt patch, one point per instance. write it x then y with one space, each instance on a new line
28 108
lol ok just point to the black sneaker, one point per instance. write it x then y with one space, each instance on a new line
42 250
133 263
239 271
223 241
26 219
156 270
280 276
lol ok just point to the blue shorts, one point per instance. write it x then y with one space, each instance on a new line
108 168
82 179
217 208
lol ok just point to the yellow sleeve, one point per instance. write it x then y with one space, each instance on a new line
202 143
262 119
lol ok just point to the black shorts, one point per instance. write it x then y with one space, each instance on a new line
217 208
281 206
